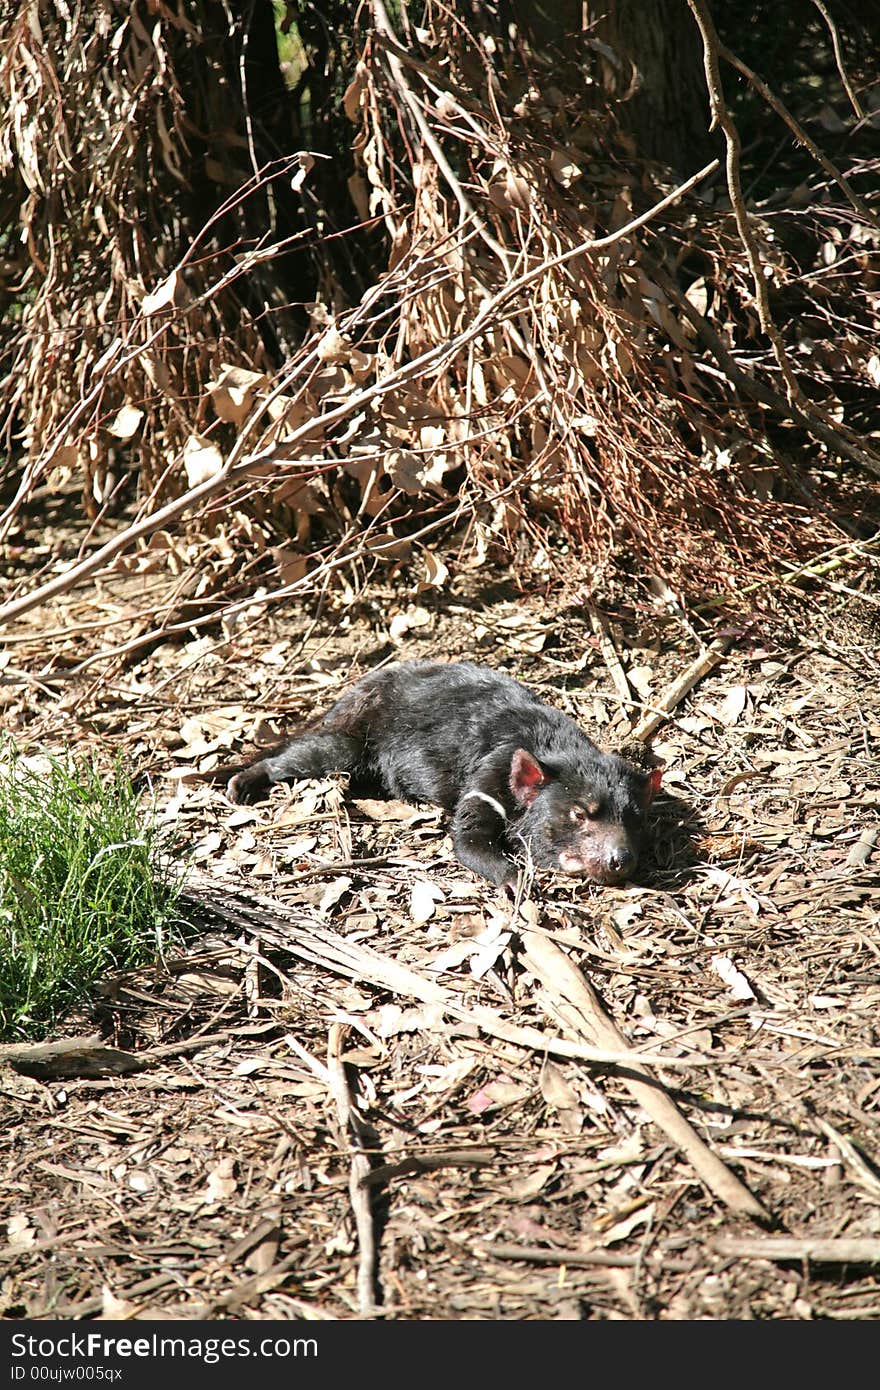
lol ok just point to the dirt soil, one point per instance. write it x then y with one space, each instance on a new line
363 1045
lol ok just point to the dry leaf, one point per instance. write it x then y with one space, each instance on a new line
413 472
495 1093
306 164
333 347
20 1232
391 810
332 893
353 95
290 564
734 979
487 948
621 1230
234 391
126 423
221 1182
564 169
436 573
403 622
526 1187
201 460
165 294
114 1308
557 1092
423 900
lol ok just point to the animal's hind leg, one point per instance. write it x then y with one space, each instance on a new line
309 755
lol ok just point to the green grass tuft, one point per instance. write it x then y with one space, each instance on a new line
84 887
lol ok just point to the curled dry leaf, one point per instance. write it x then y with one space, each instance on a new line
503 1091
734 979
563 168
201 460
290 564
436 573
20 1232
114 1308
168 293
334 347
557 1092
353 96
234 391
332 893
306 164
413 472
221 1182
127 420
423 900
404 622
359 192
487 949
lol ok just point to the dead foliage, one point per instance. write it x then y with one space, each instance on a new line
569 354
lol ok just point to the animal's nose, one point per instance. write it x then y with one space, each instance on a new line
621 860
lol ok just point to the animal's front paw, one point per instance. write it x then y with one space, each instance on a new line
247 786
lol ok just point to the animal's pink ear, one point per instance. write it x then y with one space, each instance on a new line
652 784
526 777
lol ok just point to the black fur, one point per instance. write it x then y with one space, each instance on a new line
518 776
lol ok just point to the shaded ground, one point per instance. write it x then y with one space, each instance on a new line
507 1183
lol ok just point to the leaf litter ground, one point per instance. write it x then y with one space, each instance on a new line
371 1082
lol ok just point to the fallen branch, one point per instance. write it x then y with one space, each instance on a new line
576 1001
606 1044
602 629
858 1250
57 1061
539 1255
676 692
358 1190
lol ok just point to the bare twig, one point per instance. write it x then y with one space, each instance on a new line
721 117
798 132
676 692
838 58
359 1192
857 1250
602 629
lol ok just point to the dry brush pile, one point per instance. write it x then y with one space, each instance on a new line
569 354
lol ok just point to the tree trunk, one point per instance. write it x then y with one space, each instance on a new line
657 46
650 59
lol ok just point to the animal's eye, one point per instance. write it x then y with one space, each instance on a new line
578 814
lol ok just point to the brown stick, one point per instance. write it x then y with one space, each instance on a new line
721 117
577 1001
602 629
858 1250
676 692
540 1255
798 132
358 1191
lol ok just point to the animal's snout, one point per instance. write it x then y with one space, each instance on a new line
621 860
607 859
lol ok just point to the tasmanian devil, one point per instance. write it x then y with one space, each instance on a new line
519 777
